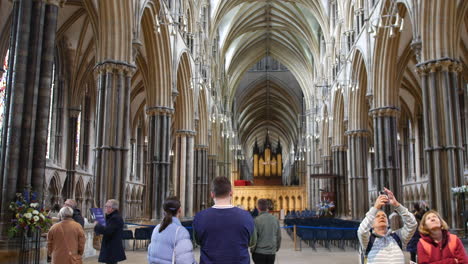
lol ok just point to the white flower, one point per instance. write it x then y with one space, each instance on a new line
35 212
42 216
28 215
36 218
34 205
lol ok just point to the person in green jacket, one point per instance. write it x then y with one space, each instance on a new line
266 236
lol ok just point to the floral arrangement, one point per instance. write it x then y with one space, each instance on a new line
29 214
460 190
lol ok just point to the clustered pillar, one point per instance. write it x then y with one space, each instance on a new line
201 177
340 170
358 148
112 130
160 119
443 135
69 189
387 162
183 170
24 137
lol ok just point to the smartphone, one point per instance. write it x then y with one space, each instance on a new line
384 193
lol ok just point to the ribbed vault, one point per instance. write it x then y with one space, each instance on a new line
289 32
268 105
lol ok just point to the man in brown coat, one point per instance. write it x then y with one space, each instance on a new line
66 239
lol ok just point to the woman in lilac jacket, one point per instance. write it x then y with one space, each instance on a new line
170 242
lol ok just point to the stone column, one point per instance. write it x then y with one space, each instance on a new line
387 161
212 173
358 148
340 169
112 131
443 135
183 170
69 187
158 157
32 43
200 177
43 102
327 162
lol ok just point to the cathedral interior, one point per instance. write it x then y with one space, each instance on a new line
295 99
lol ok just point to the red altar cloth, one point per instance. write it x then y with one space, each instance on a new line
242 183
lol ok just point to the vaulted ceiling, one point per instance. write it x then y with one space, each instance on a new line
289 31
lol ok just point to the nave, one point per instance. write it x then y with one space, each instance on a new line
286 254
306 103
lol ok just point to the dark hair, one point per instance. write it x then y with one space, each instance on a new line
56 208
171 206
416 206
221 187
262 205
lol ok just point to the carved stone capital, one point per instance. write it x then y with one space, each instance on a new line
59 3
113 66
187 133
201 147
74 112
336 148
358 133
159 110
416 46
444 64
385 111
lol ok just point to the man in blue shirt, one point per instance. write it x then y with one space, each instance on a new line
223 231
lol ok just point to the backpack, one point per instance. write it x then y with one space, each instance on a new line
452 244
372 239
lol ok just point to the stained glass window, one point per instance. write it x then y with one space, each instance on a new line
77 147
3 80
51 108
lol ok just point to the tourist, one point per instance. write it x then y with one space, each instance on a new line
53 213
437 245
112 250
266 236
76 212
223 231
380 244
66 239
170 242
412 246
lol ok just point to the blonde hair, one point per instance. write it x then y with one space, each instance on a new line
422 225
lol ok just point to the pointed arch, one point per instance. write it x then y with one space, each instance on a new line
338 138
203 120
358 105
184 114
54 189
158 80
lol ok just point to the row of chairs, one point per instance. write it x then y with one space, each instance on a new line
304 213
326 237
143 235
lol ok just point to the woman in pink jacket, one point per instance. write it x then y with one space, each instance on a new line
436 244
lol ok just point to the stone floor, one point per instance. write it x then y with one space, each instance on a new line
286 254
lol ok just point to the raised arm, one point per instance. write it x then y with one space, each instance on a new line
409 221
409 224
365 227
366 224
